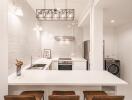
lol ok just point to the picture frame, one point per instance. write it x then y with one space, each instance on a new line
47 53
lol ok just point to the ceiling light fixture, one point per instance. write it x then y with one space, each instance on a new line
17 10
55 14
112 21
38 28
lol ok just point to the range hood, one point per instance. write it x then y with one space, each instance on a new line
64 38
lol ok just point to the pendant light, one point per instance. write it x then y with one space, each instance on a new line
55 14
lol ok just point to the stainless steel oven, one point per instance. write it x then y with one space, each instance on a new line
65 64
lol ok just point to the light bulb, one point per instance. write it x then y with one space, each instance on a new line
37 28
70 15
61 42
62 15
112 21
40 15
58 9
18 11
40 28
67 41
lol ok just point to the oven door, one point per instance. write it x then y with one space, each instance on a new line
65 67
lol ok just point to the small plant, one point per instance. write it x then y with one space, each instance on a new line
19 64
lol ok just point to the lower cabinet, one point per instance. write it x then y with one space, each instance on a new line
54 65
50 67
79 65
76 65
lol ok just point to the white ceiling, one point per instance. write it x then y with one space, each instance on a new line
78 5
119 10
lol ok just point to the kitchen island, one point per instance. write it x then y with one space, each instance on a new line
66 78
50 80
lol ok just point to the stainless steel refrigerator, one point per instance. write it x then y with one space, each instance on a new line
86 52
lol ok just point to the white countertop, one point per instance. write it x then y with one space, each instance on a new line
65 78
41 61
49 61
78 59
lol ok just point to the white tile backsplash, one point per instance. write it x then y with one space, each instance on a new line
22 39
61 49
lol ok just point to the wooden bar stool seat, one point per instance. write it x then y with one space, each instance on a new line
19 97
64 97
39 95
63 93
87 93
103 97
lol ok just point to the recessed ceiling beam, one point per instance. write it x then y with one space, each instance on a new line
86 12
96 2
84 16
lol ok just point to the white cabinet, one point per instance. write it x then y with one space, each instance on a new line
50 67
54 65
79 65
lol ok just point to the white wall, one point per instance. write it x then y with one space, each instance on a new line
23 40
59 49
124 45
3 50
86 33
110 40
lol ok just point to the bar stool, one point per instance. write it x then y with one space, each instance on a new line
103 97
87 93
63 93
64 97
19 97
39 95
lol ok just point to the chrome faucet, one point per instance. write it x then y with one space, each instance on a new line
31 61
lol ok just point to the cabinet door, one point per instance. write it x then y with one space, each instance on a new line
78 65
54 65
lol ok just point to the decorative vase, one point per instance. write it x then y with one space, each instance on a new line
18 71
18 67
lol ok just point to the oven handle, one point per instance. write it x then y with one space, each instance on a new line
64 64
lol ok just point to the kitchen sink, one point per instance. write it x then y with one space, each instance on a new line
37 66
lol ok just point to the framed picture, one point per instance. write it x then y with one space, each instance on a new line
47 53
